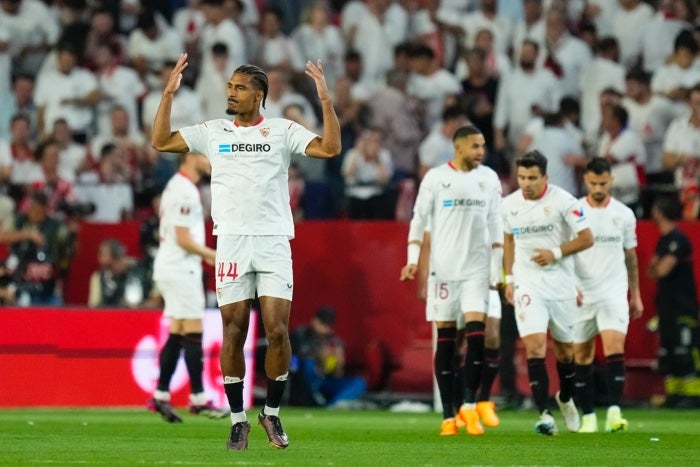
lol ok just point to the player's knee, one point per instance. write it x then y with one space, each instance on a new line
277 335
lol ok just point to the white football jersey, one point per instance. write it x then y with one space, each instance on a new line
461 210
249 165
601 270
547 222
180 206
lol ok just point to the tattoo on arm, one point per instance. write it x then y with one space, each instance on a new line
632 268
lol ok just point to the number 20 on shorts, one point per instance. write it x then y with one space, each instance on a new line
226 271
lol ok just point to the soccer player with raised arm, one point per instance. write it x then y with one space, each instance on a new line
605 273
460 203
177 272
249 158
544 225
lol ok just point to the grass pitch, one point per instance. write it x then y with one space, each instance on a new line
338 438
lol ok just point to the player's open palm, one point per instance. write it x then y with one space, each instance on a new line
176 75
316 72
408 272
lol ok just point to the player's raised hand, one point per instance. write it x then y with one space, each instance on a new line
176 75
316 72
408 272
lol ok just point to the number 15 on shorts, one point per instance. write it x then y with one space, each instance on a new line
226 271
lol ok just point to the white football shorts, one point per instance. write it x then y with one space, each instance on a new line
448 300
534 315
605 315
494 305
183 298
246 263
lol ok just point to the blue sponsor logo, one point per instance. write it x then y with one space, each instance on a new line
225 148
447 203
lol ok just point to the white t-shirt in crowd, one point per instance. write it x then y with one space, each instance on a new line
556 143
54 87
546 222
650 121
601 271
249 189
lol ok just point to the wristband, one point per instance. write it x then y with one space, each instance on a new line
509 279
557 253
413 253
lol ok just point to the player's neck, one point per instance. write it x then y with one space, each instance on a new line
461 165
665 226
247 119
596 204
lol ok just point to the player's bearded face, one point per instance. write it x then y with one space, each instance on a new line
598 186
471 150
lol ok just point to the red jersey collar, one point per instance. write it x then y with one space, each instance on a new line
186 176
544 192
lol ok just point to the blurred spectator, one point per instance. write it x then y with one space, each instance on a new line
497 63
188 22
629 25
19 101
274 49
7 286
318 365
120 281
150 45
569 112
566 55
676 306
602 14
650 115
211 86
532 27
119 86
40 252
72 156
372 40
624 149
603 72
487 17
514 109
672 16
608 96
437 148
682 155
318 39
280 95
313 169
675 78
103 31
296 191
219 27
31 32
430 83
367 170
22 152
396 114
69 93
47 179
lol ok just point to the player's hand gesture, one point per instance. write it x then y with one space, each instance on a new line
408 272
316 72
176 75
543 257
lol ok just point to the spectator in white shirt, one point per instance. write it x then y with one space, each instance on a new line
497 63
280 95
650 116
487 18
373 43
602 14
188 22
629 26
682 153
150 45
68 92
532 27
567 56
72 156
662 30
220 27
19 101
602 73
438 148
31 31
211 83
674 79
624 149
514 107
274 48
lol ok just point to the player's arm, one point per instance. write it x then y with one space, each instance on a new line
328 145
162 138
584 239
636 306
416 231
508 260
424 267
495 226
662 267
186 242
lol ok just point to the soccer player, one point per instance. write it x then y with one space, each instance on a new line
540 221
250 157
177 267
605 272
460 201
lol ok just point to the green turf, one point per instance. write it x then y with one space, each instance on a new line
320 437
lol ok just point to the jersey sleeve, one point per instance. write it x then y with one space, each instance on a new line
573 213
298 138
196 137
422 210
507 228
629 233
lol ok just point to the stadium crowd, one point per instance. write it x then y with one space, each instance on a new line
81 80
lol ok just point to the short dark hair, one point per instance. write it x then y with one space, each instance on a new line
620 114
639 75
569 106
39 197
606 44
453 111
326 315
258 76
685 40
599 166
422 51
533 158
669 206
465 131
114 246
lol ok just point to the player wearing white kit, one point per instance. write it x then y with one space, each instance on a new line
605 274
540 221
177 267
460 203
250 158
